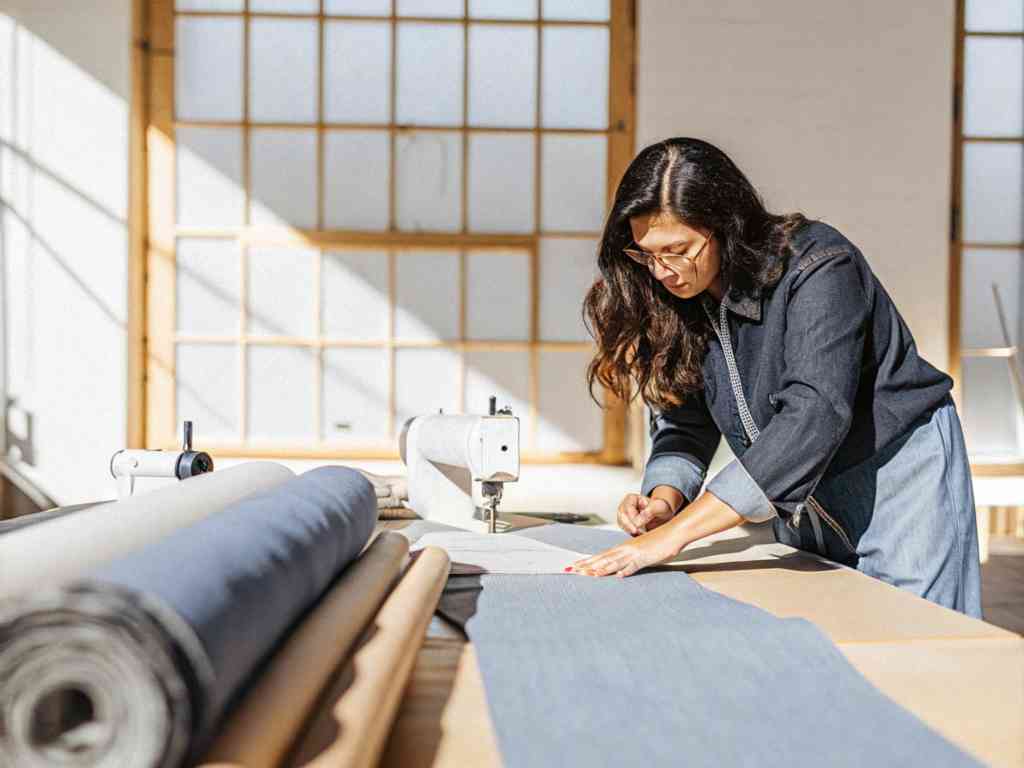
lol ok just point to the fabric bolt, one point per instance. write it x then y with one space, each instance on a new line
655 670
146 653
71 545
277 703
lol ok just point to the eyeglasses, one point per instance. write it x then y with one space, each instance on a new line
673 262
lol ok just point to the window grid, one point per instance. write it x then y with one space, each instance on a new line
961 140
324 240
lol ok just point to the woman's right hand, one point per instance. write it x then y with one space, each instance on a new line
638 514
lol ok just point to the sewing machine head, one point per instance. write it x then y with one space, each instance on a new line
453 458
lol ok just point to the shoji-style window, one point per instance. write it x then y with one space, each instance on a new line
365 210
988 228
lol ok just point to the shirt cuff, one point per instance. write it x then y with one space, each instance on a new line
734 485
674 470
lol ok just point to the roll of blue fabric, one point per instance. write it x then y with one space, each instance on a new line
147 653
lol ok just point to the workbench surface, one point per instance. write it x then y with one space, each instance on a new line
963 677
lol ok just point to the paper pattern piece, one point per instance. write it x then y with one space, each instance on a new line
507 553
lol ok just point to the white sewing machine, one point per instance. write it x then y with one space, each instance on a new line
448 454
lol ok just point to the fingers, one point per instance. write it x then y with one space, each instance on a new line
629 512
604 564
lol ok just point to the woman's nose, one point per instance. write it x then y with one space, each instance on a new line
661 271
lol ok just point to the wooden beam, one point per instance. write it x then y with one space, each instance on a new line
621 147
160 236
135 436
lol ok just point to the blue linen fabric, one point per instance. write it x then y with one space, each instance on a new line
239 579
655 670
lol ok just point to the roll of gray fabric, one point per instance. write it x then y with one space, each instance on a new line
136 663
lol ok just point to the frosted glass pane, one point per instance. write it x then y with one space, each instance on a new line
427 295
501 182
357 72
209 176
283 177
355 295
993 86
577 10
503 9
429 181
285 6
502 76
979 323
567 270
994 16
208 287
436 8
283 67
282 292
568 420
498 295
356 170
425 380
208 69
574 84
207 387
430 61
573 179
358 7
210 5
506 375
992 192
991 410
281 383
355 396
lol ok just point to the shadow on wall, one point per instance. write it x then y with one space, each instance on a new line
64 83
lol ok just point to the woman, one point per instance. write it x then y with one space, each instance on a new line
773 332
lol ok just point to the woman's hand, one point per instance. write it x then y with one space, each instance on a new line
628 558
706 515
638 514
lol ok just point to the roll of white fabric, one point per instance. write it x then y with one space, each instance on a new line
58 550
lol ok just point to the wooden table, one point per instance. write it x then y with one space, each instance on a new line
963 677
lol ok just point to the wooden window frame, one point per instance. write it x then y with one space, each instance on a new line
956 351
154 231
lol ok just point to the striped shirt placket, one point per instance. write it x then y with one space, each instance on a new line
721 327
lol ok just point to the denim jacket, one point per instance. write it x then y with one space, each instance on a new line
829 370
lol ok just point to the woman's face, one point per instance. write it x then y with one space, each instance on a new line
665 235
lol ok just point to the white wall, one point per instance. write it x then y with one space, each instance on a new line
840 110
64 104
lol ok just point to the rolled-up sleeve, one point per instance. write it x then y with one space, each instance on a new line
827 321
683 440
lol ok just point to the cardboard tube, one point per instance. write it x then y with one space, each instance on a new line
65 548
350 727
265 723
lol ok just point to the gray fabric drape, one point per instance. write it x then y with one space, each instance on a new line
655 670
136 663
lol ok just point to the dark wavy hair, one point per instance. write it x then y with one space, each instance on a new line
649 341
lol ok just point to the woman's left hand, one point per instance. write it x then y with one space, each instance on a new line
645 550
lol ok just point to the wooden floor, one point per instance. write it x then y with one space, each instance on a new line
1002 584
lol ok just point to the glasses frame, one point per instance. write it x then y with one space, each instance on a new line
647 258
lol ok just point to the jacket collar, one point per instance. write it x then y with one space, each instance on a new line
745 306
